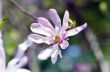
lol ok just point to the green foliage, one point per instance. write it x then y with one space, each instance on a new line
2 22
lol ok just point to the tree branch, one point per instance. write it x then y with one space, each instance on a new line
104 65
22 9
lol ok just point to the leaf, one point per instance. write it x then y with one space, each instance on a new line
3 21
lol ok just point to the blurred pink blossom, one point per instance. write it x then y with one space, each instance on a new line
82 67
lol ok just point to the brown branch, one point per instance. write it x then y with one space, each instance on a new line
22 9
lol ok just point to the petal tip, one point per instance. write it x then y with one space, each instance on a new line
53 62
52 9
41 58
85 24
39 18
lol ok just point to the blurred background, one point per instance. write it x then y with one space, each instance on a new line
81 55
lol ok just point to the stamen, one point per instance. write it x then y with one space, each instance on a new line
56 38
72 24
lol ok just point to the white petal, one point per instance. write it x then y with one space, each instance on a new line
16 64
46 30
22 70
39 39
55 18
2 66
44 54
64 44
76 30
22 48
55 53
2 54
35 25
40 30
65 24
60 54
65 20
23 61
12 64
44 22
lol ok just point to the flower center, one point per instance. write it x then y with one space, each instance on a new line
56 38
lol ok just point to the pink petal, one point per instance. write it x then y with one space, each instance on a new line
39 39
76 30
64 44
40 30
65 23
44 54
55 53
35 25
65 20
22 70
36 28
55 18
44 22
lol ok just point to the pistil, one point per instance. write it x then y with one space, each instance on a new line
56 39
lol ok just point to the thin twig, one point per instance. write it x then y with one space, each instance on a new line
90 36
22 9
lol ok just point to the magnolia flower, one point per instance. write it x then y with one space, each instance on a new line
55 35
15 64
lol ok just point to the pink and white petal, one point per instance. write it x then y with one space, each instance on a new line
55 53
12 64
65 23
39 39
23 61
50 31
76 30
22 70
65 20
22 48
64 44
36 38
41 30
48 40
44 54
55 18
2 54
44 22
15 64
35 25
